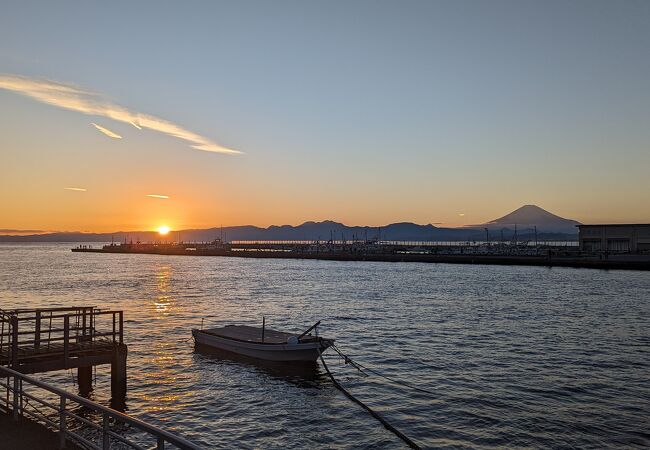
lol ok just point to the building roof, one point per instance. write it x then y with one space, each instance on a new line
614 225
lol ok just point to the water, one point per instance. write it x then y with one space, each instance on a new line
515 356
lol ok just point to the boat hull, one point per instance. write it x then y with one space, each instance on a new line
308 351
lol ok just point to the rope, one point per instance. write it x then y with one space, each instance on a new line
383 421
34 407
361 368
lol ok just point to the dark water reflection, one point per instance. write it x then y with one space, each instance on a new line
301 374
515 356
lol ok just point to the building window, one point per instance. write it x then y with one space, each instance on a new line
591 245
618 245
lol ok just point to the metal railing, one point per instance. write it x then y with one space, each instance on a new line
21 403
56 329
430 243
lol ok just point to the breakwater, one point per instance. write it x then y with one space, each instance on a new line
560 255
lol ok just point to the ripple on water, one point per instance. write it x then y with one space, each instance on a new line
513 356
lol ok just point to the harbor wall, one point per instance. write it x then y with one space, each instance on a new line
549 257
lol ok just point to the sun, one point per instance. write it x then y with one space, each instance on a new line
163 229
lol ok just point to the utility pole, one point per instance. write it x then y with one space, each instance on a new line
487 236
515 235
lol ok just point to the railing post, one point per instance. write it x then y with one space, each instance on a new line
20 390
114 334
15 398
66 339
121 327
161 443
92 324
106 438
37 331
62 422
83 322
14 342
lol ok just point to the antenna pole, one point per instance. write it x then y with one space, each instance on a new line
515 235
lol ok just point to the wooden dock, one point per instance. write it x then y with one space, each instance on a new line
42 340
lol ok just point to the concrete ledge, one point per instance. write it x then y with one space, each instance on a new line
618 262
28 435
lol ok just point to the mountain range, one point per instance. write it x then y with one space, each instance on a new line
524 219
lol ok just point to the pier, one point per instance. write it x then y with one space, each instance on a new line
43 340
530 253
32 411
54 418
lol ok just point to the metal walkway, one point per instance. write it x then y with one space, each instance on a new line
79 420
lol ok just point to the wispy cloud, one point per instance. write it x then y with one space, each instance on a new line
75 189
77 99
106 131
157 196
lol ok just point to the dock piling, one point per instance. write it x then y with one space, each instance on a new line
85 379
118 373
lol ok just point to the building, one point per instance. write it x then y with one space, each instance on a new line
615 238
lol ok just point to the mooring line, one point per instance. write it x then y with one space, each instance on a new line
360 367
383 421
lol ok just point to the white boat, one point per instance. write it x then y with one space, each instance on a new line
263 343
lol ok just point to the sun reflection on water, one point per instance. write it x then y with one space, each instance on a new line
164 302
164 372
169 394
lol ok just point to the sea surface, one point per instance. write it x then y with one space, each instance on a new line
511 356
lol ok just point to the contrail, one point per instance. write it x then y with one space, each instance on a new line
157 196
77 99
106 131
75 189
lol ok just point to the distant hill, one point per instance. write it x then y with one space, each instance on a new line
323 231
529 216
549 226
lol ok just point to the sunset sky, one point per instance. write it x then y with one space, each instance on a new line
129 115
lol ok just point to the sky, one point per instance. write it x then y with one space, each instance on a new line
200 114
